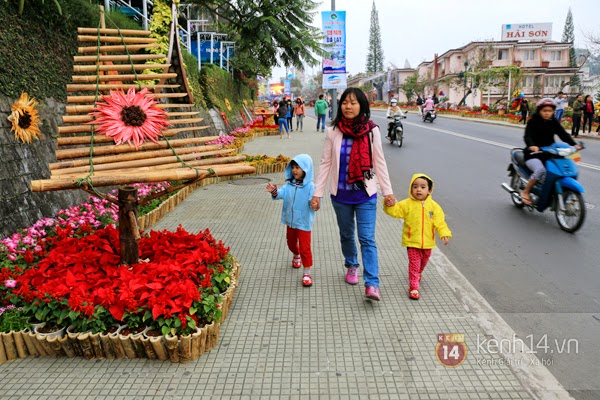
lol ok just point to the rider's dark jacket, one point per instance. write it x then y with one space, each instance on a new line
540 132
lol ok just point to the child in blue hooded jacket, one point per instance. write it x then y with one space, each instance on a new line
296 214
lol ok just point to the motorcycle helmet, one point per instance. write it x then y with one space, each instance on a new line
545 102
394 102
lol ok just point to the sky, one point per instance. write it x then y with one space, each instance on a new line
415 30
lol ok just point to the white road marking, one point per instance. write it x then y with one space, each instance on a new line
490 142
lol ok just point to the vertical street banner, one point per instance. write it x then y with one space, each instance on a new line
334 64
287 86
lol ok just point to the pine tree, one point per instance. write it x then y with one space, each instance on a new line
569 37
375 54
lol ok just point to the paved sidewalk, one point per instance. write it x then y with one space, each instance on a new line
284 341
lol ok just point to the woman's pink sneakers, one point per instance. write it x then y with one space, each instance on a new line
371 292
352 275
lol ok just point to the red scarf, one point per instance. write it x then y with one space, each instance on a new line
361 160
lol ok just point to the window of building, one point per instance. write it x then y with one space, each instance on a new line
529 81
528 55
554 81
555 55
502 54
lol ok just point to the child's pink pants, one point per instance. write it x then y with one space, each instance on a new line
417 260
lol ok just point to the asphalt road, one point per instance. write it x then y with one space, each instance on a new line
544 282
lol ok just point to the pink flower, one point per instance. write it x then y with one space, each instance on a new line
132 117
11 283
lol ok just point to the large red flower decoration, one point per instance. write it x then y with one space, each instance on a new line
130 117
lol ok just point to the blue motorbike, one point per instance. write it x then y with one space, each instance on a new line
560 190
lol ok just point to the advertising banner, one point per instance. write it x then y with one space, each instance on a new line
334 32
287 86
538 31
205 51
335 81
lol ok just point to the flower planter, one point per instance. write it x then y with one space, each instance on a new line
501 112
48 331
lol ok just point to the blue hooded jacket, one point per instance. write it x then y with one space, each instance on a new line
296 211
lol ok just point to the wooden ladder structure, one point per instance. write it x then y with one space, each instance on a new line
112 59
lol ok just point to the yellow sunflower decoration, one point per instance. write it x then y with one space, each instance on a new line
24 119
228 104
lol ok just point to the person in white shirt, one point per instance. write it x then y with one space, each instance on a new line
560 100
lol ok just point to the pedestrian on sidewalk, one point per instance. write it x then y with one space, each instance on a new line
353 162
275 115
524 108
297 213
420 102
321 111
290 114
577 109
299 110
588 113
282 119
422 216
560 100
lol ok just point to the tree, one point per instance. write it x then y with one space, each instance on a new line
375 54
412 86
268 33
569 37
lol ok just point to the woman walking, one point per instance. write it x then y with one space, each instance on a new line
299 111
588 113
353 162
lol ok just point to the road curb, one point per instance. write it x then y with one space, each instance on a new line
536 379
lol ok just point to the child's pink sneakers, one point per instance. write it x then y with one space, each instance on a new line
352 275
296 261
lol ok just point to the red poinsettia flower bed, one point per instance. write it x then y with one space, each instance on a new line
80 278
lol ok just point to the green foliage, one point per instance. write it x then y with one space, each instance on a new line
217 85
13 319
268 31
412 86
37 47
116 19
22 6
375 55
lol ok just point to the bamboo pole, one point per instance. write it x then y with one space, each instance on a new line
3 357
31 349
118 57
128 203
107 346
173 348
117 48
115 39
77 140
151 163
127 346
118 67
95 341
86 345
38 346
92 99
78 119
67 346
185 349
215 163
122 77
47 185
168 132
125 32
150 353
20 344
82 87
159 347
87 109
55 345
127 148
117 346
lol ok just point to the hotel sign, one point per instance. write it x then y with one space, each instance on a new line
541 31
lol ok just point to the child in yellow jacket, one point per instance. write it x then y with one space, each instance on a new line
422 217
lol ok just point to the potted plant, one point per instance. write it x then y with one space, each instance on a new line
501 109
545 64
484 108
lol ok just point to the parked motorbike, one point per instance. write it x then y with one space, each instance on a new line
429 115
397 133
560 190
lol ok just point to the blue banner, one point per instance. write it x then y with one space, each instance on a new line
287 86
205 51
334 31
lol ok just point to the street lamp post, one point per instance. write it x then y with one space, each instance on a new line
466 64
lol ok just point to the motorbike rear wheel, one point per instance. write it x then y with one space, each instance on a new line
571 218
515 183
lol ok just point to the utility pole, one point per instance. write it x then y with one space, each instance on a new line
333 92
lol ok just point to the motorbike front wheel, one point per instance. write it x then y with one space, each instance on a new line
400 139
571 218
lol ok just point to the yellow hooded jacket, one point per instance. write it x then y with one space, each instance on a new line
421 219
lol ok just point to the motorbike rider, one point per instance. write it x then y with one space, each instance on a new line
539 132
429 105
392 111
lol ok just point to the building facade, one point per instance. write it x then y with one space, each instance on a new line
544 66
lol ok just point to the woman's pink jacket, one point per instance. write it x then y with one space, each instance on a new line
330 165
